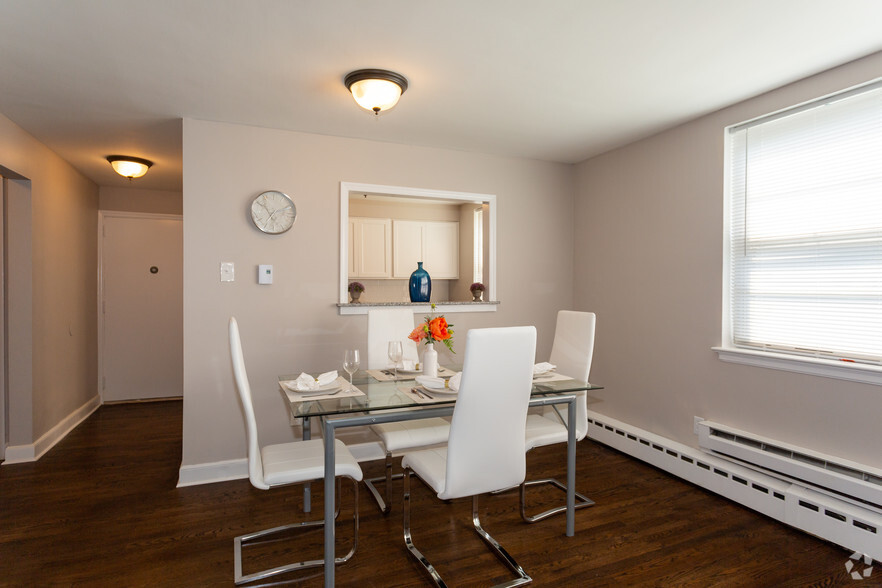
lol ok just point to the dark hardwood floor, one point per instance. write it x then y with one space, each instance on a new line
101 509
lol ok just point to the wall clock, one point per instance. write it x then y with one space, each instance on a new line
273 212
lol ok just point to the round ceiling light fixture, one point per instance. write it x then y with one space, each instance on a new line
129 167
376 90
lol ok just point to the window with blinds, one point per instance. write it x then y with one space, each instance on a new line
805 229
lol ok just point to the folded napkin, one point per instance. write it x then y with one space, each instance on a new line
543 368
305 382
440 383
408 365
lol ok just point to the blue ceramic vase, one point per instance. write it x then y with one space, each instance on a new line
420 284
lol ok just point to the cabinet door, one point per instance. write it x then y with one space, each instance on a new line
372 252
441 250
407 238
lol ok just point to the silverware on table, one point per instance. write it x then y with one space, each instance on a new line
422 393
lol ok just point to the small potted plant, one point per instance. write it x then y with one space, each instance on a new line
355 290
477 289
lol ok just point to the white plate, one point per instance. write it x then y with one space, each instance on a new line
434 385
409 372
320 392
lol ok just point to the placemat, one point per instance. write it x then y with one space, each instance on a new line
421 398
550 377
345 392
388 376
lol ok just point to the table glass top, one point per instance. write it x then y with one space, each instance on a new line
393 395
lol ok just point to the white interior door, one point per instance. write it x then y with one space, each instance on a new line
3 359
142 307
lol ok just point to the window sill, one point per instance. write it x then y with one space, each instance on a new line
420 307
827 368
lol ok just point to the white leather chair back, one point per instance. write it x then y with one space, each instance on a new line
486 448
255 465
573 347
389 324
572 352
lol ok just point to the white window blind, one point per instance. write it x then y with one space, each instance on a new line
805 230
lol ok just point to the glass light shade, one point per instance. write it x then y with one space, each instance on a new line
129 167
376 95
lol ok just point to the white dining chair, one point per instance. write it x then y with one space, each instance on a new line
389 324
572 352
280 465
486 451
386 325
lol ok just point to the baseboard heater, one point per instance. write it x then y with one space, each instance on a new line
840 503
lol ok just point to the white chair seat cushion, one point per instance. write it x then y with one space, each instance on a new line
302 461
542 431
430 465
410 434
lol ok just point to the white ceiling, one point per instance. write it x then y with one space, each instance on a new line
560 80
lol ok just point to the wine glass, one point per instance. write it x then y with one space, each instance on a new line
395 353
351 360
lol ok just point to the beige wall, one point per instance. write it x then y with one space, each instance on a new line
139 200
63 212
293 324
649 263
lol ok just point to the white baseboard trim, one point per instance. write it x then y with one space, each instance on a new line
209 473
237 469
36 450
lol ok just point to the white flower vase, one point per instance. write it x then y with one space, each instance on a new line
430 361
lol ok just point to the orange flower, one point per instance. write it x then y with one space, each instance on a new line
418 334
438 329
432 330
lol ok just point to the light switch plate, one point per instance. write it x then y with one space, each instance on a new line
227 271
264 274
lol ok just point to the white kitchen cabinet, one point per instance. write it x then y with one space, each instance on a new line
435 243
370 247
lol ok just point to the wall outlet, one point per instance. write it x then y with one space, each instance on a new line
695 421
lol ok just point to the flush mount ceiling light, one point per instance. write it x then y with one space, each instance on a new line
376 90
129 167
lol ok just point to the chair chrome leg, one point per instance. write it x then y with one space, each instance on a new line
243 541
582 501
385 504
500 551
408 540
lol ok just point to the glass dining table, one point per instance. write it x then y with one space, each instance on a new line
389 400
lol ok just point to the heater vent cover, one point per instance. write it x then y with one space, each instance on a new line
843 478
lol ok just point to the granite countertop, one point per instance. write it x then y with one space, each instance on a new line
469 303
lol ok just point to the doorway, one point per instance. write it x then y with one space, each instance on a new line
141 306
4 438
